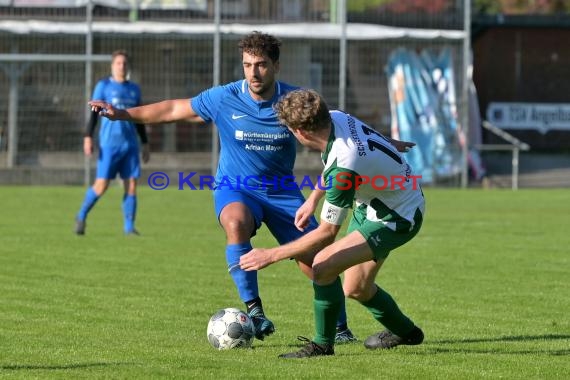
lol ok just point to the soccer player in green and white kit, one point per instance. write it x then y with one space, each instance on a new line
361 167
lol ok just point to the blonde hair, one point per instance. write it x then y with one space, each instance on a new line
303 109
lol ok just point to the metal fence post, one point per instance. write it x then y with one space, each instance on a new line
88 83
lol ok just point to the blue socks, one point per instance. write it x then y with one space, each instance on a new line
246 282
129 208
342 322
88 203
129 212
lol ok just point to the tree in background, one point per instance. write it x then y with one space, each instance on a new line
507 7
522 7
400 6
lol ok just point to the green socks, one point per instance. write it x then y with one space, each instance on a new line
327 305
386 311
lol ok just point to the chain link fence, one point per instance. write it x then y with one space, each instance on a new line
53 52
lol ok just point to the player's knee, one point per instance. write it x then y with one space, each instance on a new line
306 269
322 273
130 186
100 186
353 293
237 228
358 292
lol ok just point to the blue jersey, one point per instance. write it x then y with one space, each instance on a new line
253 143
121 95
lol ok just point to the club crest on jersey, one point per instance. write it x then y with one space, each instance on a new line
332 214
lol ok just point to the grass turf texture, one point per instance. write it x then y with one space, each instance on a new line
487 280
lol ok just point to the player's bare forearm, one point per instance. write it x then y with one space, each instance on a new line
318 192
162 112
314 241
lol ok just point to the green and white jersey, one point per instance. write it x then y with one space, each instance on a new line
361 165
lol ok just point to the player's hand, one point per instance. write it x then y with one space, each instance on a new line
88 146
104 109
145 153
304 213
402 146
256 259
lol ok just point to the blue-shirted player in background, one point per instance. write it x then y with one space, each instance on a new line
254 145
118 144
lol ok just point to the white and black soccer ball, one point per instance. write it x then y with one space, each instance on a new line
230 328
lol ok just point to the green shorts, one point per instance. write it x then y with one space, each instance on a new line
379 237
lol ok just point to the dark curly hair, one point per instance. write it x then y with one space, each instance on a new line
258 44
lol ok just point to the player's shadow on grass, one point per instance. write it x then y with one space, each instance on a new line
517 338
15 367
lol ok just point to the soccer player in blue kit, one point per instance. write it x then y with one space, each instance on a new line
254 146
118 144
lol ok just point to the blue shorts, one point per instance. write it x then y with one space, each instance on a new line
123 159
275 208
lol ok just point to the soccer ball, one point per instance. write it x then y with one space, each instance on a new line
230 328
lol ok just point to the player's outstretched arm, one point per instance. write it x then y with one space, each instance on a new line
162 112
314 241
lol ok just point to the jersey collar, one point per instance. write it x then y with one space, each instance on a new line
276 94
115 81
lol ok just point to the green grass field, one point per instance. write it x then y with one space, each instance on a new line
487 279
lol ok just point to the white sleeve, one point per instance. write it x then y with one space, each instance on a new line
333 214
